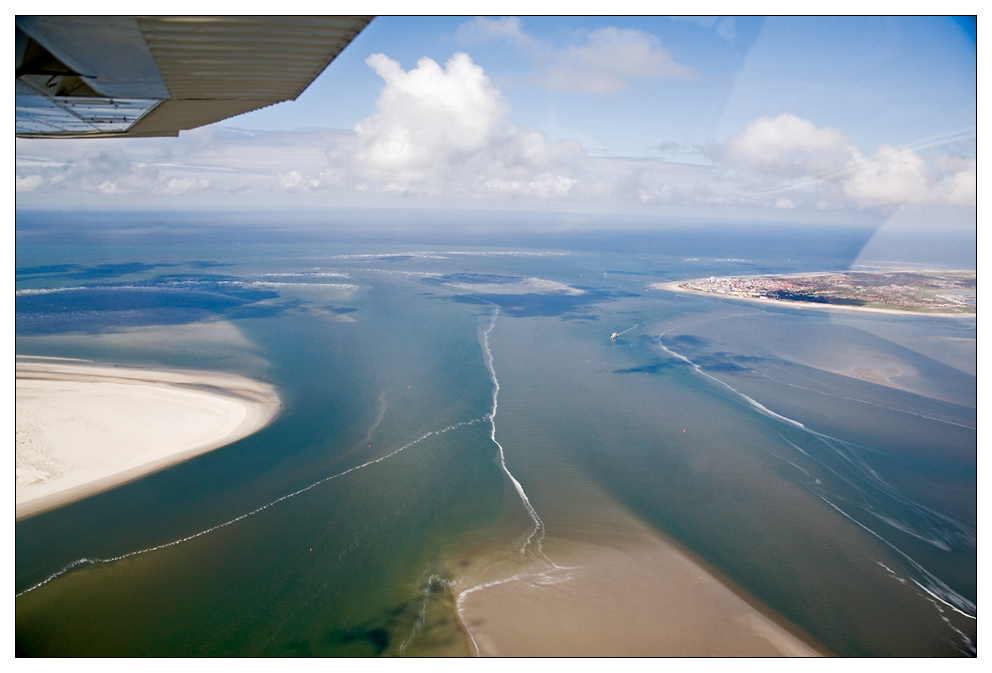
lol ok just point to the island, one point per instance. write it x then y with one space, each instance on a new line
917 291
84 427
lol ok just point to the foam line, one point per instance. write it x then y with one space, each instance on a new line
461 598
938 529
936 589
844 451
542 578
96 561
970 649
754 403
487 355
539 530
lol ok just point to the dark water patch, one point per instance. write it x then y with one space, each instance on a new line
346 568
93 322
475 279
687 341
657 367
44 270
722 362
114 270
377 639
97 309
203 264
394 258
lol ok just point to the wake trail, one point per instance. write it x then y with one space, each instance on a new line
629 329
100 561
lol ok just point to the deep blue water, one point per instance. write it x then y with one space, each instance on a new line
825 462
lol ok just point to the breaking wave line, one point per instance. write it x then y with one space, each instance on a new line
754 403
936 590
487 354
543 578
970 649
98 561
931 525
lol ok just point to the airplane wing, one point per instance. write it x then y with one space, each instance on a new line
139 76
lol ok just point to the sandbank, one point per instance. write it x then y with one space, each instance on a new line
521 286
83 428
648 599
676 287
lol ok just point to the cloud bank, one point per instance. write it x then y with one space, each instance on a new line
442 133
789 153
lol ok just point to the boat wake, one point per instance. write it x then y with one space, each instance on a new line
629 329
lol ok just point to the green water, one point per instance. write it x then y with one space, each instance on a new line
849 509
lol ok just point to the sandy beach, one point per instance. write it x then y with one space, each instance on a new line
643 597
83 428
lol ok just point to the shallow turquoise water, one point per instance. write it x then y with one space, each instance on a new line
846 506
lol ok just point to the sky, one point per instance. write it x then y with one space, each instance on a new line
833 119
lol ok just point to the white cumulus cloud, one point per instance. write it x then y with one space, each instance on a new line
789 153
428 118
294 181
890 176
444 131
786 145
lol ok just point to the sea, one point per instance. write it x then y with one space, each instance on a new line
450 387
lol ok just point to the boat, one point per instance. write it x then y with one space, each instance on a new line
614 336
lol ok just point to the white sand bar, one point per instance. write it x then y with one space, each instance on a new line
85 428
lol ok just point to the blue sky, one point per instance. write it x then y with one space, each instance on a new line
825 118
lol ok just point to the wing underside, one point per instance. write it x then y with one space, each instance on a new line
87 76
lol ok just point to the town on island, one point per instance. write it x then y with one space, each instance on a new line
945 292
